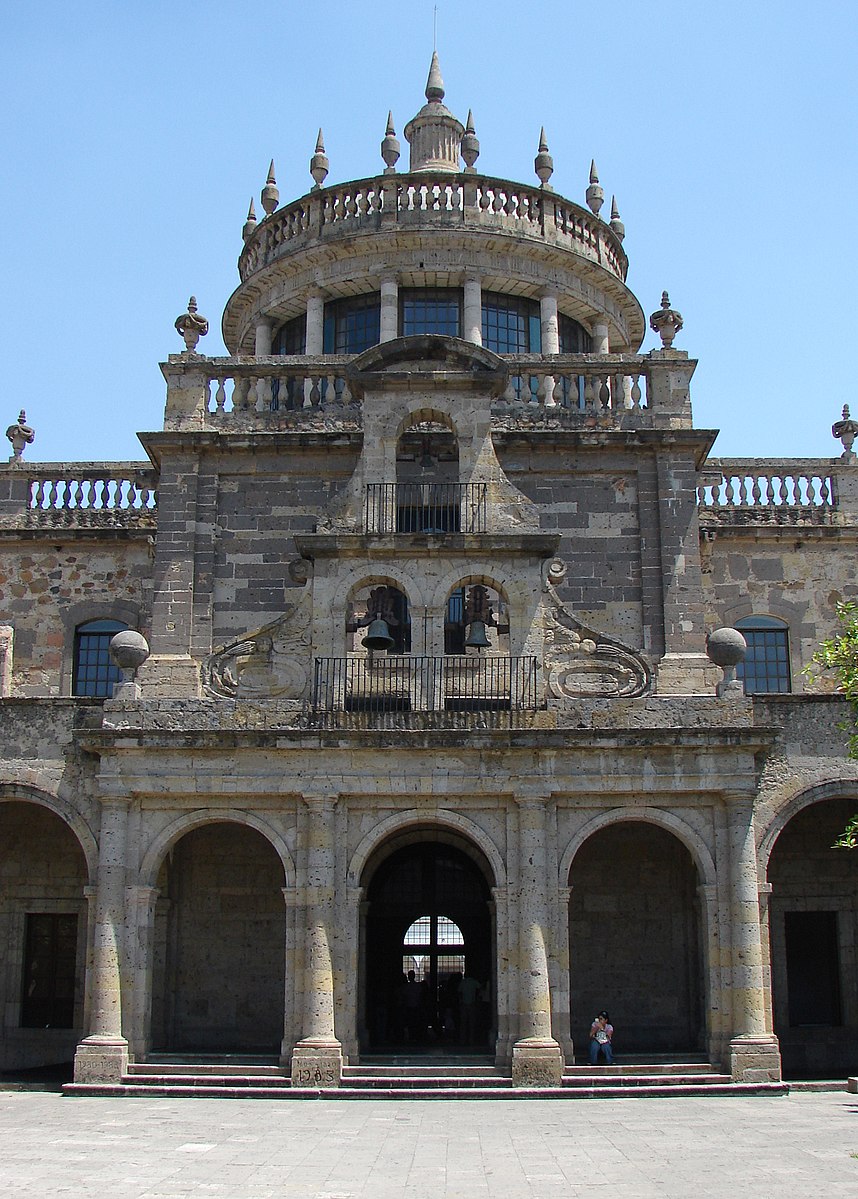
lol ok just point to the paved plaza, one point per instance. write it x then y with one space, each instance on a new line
803 1145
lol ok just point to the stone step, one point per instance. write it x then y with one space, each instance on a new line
444 1092
222 1069
590 1078
425 1081
665 1070
190 1078
422 1071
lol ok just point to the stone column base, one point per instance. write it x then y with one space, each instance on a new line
101 1059
317 1064
537 1062
755 1059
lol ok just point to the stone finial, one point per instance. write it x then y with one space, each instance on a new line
390 148
250 223
727 648
191 326
319 164
470 145
844 429
543 164
20 435
595 195
616 224
434 84
270 196
129 650
666 322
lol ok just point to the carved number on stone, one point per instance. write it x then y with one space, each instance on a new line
307 1075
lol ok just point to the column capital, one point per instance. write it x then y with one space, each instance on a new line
321 803
291 896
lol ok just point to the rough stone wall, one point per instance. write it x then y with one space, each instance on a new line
47 587
595 507
797 575
42 870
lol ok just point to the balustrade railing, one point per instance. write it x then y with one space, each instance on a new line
578 384
774 489
99 494
426 508
442 198
385 683
276 385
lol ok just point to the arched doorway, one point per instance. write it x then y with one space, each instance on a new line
428 948
219 944
813 930
43 922
634 940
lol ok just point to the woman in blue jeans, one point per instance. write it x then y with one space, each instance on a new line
601 1032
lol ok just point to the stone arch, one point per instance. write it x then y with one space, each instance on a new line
174 831
832 789
356 577
27 793
439 818
692 840
439 415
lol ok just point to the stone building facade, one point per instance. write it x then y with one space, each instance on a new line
425 570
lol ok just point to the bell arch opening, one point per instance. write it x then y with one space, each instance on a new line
219 944
813 933
428 972
635 940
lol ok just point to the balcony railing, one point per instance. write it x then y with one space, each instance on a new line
515 209
425 508
397 683
775 491
91 495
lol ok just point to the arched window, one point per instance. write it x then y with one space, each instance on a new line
434 948
766 665
93 673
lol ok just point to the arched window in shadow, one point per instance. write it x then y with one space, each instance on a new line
429 497
766 664
378 621
476 621
93 672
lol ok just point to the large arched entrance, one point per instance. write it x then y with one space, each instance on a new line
219 955
634 940
813 930
428 937
43 919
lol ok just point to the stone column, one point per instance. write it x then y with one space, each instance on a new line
548 320
315 341
142 903
472 323
263 337
754 1054
537 1060
600 340
103 1055
317 1059
389 320
7 640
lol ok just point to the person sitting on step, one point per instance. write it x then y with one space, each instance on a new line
601 1033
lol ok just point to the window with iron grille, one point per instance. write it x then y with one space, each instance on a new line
93 672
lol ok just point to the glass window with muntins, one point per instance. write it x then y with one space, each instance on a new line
511 324
352 324
430 310
766 664
93 673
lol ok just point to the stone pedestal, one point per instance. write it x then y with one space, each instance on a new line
317 1064
755 1059
686 674
101 1059
537 1062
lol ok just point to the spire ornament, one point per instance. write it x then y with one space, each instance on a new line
319 164
251 222
666 322
434 84
844 429
595 194
616 224
470 145
543 164
20 435
390 148
191 326
270 193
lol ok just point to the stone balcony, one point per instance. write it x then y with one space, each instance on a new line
96 496
773 492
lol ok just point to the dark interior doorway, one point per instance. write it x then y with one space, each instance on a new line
428 956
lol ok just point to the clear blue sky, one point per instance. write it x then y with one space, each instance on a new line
133 136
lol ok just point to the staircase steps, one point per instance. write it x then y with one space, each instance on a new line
411 1078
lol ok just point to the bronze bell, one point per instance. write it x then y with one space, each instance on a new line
378 635
477 638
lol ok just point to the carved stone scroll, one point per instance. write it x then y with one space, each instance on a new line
271 663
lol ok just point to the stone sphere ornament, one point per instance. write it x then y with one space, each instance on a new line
727 648
129 650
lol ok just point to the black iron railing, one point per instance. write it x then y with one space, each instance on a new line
402 683
429 508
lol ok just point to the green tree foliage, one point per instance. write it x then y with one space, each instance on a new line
840 654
